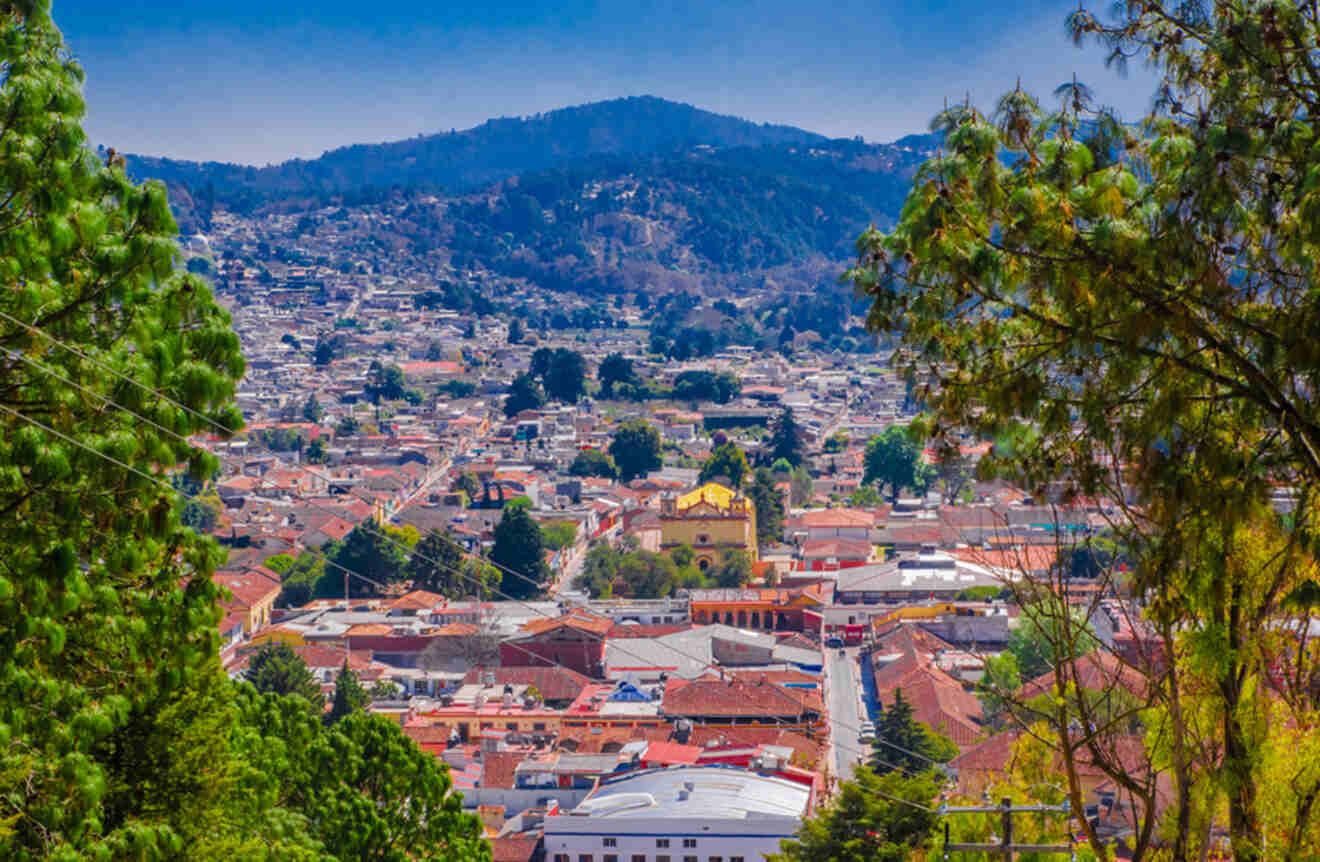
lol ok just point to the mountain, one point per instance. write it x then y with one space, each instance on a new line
628 196
495 150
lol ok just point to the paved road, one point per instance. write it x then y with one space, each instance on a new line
843 711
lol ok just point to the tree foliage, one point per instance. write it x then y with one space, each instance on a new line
524 394
785 439
360 789
891 459
520 549
274 668
372 559
1146 299
614 369
877 818
728 463
769 503
593 462
635 449
349 696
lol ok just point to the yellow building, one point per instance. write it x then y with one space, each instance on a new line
711 519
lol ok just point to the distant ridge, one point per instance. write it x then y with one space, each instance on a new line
490 152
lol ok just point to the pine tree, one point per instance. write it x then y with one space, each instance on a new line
519 548
785 439
107 606
435 565
274 668
350 696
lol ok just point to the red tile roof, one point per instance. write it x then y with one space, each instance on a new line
737 698
498 767
554 683
669 753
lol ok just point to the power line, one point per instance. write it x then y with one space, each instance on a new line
348 572
833 722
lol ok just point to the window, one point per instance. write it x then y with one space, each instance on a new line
662 842
510 725
735 859
690 859
609 842
714 859
703 539
662 858
561 857
639 857
611 857
539 726
584 857
689 842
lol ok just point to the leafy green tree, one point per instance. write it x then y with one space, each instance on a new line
327 349
201 513
905 744
593 462
347 427
519 548
359 788
298 584
274 668
515 331
727 462
1038 634
865 497
707 386
609 572
566 378
635 449
836 442
891 459
615 368
769 505
785 439
279 563
877 818
437 565
733 570
801 486
107 607
349 697
524 394
316 451
367 552
312 410
468 483
539 365
384 382
559 534
1145 300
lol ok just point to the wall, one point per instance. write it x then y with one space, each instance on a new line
749 840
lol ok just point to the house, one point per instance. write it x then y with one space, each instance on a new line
254 591
575 640
927 575
711 519
737 701
702 812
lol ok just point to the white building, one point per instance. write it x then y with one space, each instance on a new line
679 814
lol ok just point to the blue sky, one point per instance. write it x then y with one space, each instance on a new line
262 82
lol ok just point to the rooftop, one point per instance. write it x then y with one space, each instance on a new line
694 792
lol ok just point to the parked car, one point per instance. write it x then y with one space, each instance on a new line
833 642
867 732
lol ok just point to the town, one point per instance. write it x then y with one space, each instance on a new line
733 578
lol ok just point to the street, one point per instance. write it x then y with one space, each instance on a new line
844 718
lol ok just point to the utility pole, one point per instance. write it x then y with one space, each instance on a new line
1006 847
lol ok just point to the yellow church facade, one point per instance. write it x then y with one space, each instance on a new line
711 519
